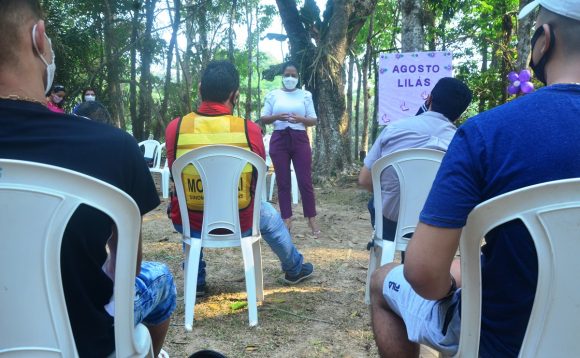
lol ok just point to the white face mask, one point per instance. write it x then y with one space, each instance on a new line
290 82
89 98
50 68
56 99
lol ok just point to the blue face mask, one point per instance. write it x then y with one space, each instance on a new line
540 67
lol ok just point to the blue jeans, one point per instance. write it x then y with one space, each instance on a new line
155 294
276 235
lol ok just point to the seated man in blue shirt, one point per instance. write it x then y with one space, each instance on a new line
432 129
533 139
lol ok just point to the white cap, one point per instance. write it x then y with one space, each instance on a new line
567 8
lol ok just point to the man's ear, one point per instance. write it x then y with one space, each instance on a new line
199 89
547 39
429 101
234 96
39 38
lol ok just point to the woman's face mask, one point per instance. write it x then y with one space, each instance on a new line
90 98
50 67
56 98
290 83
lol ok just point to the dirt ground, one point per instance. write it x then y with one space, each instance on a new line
322 317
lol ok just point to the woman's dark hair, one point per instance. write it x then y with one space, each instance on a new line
86 90
219 80
94 111
57 88
289 64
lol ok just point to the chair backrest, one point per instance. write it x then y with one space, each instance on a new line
158 157
266 140
416 170
151 147
551 213
220 168
37 202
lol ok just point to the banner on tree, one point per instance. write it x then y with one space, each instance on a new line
406 80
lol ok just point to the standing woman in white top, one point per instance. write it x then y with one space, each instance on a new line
291 110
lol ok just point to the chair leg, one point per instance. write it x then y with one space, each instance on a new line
375 253
257 252
272 182
249 268
294 188
388 254
165 183
192 255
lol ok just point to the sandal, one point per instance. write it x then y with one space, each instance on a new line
315 230
163 354
288 223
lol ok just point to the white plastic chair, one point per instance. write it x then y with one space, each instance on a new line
164 171
165 176
220 167
151 148
416 170
295 191
551 213
42 198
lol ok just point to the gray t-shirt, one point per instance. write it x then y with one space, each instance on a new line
429 130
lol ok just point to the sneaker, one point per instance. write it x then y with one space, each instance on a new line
306 272
201 290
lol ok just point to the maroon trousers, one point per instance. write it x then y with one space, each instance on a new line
287 146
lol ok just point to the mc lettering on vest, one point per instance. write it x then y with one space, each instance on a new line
197 131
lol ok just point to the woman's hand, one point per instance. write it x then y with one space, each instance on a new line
294 118
284 117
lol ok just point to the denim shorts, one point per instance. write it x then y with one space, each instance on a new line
432 323
155 294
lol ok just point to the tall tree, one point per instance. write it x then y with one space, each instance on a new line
349 100
364 144
413 36
176 19
523 47
320 47
140 131
113 63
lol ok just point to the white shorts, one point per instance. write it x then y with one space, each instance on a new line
432 323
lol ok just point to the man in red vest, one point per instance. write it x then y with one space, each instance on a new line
219 90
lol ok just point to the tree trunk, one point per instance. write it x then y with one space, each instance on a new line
375 126
364 144
357 108
523 46
160 125
186 63
141 131
258 63
250 45
231 31
412 34
349 104
113 65
133 84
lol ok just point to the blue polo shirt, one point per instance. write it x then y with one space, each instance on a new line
530 140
